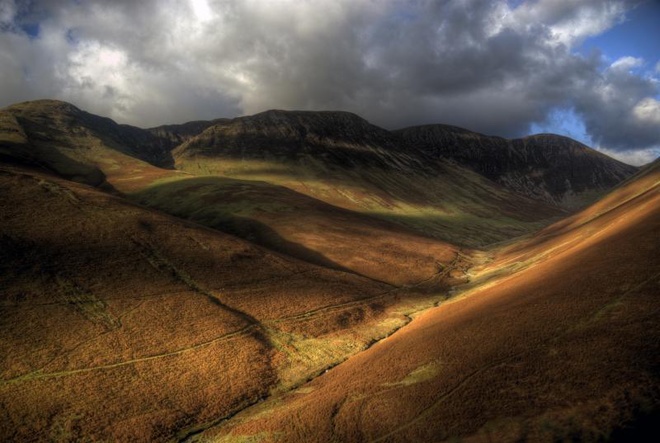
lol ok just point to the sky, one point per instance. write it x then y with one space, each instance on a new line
588 69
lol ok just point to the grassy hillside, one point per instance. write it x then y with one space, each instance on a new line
295 224
122 323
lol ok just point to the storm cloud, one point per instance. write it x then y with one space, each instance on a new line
492 66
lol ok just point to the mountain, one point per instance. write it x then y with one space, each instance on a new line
546 167
309 276
339 139
50 122
345 161
97 151
168 137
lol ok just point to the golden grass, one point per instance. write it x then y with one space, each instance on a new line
125 324
564 349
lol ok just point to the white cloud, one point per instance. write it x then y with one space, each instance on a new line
627 63
95 70
568 21
636 158
648 111
202 10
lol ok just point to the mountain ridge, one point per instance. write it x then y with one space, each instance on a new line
548 167
333 156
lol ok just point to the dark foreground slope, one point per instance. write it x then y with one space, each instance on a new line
121 323
558 340
545 167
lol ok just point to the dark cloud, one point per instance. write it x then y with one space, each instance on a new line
488 66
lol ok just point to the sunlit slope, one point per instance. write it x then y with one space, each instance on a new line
125 324
343 160
591 221
565 349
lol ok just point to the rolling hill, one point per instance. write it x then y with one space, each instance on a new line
124 323
308 276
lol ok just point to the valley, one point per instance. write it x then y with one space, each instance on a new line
308 276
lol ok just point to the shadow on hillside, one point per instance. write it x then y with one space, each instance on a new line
431 182
53 162
135 142
263 235
643 428
224 191
213 202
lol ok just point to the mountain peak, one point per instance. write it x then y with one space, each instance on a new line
45 105
336 137
324 123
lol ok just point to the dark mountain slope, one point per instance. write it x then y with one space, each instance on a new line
83 147
52 120
343 160
338 139
170 136
546 167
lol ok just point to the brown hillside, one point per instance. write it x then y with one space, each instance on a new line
567 349
125 324
292 281
300 226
